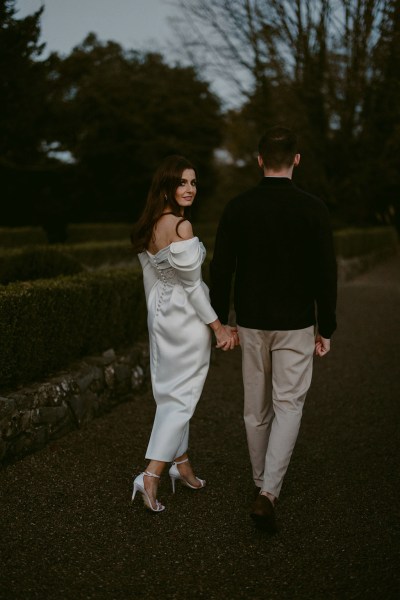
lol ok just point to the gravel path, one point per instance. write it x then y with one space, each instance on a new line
69 531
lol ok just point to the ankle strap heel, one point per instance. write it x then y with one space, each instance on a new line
180 462
151 474
138 486
175 475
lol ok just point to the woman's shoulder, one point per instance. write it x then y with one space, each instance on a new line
175 228
186 254
183 231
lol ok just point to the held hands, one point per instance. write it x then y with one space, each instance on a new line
322 345
227 337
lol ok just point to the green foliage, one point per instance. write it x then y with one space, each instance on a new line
22 80
98 232
327 69
350 243
44 325
36 263
15 237
77 233
114 113
22 114
100 254
119 113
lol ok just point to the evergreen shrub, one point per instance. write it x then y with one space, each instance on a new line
46 324
90 254
77 233
14 237
36 263
350 243
98 232
101 254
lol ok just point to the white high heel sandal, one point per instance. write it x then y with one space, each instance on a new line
174 474
138 486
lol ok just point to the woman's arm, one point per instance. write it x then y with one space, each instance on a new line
186 257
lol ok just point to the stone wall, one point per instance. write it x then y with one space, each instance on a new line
32 416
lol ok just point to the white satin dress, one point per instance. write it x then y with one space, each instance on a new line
179 310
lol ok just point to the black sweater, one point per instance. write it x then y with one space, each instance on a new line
277 240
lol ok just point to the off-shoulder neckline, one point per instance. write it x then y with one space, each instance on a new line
171 244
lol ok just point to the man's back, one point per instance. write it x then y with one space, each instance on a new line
278 240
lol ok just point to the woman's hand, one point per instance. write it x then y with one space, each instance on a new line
227 337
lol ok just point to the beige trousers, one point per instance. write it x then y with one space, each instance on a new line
277 371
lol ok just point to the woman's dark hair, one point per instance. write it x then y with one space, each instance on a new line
161 194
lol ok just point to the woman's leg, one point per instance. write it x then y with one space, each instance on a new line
186 471
151 483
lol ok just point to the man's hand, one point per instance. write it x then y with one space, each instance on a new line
322 345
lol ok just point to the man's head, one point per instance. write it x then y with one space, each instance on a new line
278 151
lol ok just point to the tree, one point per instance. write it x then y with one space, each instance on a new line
380 137
81 135
119 113
22 93
314 64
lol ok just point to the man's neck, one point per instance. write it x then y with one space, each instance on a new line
288 173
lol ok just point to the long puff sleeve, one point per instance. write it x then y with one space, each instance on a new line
149 275
186 258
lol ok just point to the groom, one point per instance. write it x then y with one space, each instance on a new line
277 241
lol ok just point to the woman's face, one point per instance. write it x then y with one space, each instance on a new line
186 190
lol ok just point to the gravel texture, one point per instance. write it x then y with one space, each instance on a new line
69 530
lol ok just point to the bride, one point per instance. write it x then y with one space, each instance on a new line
180 320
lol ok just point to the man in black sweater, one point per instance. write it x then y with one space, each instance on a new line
277 241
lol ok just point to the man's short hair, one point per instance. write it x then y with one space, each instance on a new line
278 147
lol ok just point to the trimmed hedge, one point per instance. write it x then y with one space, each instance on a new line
46 324
350 243
97 254
90 255
94 244
14 237
98 232
37 262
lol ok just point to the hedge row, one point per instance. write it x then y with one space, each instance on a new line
89 254
350 243
96 254
44 325
94 244
14 237
35 262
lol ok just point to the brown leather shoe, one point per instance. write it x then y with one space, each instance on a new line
256 492
263 514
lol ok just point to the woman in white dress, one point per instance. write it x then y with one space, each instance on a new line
180 319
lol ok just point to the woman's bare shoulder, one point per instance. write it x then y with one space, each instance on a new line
184 231
174 228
